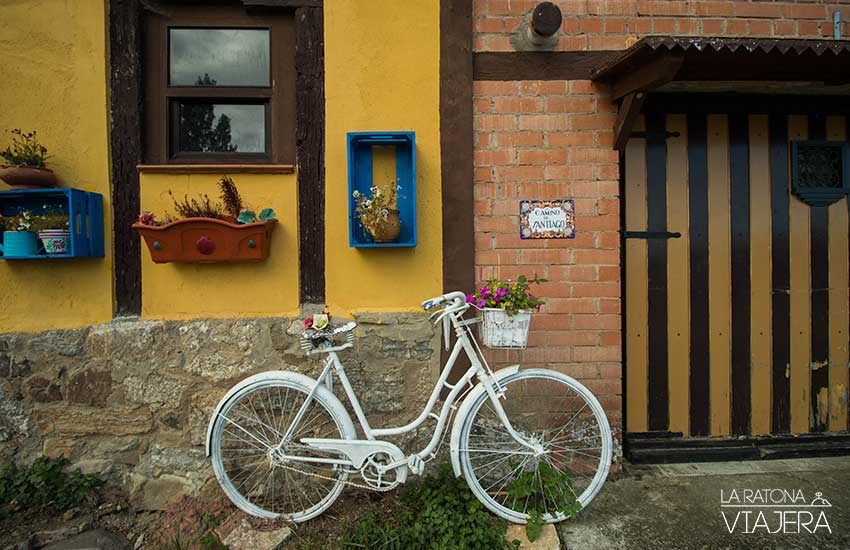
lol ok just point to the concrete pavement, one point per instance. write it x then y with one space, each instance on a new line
719 506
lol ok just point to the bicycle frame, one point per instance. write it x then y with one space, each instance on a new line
478 366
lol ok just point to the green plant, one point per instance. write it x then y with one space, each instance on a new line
25 150
249 216
22 221
195 208
441 513
511 297
374 211
539 489
230 209
45 483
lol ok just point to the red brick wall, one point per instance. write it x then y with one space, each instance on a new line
616 24
552 139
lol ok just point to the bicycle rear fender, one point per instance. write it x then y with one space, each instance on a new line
463 411
300 379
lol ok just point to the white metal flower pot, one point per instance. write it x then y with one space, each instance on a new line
502 331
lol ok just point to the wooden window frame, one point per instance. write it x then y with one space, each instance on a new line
161 97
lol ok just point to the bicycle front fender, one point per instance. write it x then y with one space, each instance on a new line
463 412
305 381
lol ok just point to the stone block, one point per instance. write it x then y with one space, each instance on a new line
157 494
42 390
548 539
89 386
78 420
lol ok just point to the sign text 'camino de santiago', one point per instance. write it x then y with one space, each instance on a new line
549 219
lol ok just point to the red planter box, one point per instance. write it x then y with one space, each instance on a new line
207 240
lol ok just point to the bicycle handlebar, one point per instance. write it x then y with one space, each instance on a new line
457 297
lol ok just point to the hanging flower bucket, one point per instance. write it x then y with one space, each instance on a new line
502 331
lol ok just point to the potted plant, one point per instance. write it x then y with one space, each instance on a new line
378 214
207 231
52 227
24 162
507 308
18 237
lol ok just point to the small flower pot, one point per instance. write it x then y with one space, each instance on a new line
27 177
389 231
55 241
207 240
19 243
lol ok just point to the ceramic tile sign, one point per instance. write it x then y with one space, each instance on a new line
549 219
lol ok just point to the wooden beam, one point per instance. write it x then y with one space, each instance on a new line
310 151
125 119
649 76
626 117
539 65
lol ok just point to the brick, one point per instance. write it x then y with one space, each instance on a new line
572 305
492 157
570 139
580 104
569 172
596 290
552 87
506 207
482 105
489 25
608 239
512 240
616 42
482 207
545 256
608 172
583 87
612 7
609 273
746 9
592 156
598 223
543 122
662 7
616 25
663 25
573 338
736 27
519 173
591 25
570 25
595 322
592 122
608 206
519 139
713 26
595 257
610 339
529 87
610 305
495 224
495 122
483 241
640 26
493 88
785 28
805 11
760 27
496 257
722 9
573 273
596 354
518 105
555 289
497 43
542 156
688 26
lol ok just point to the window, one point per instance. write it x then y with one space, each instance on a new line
220 87
820 171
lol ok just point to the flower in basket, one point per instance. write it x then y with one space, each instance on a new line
378 213
509 296
147 218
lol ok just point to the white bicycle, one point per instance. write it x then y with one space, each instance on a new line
530 441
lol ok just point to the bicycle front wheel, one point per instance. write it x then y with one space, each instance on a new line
254 421
562 416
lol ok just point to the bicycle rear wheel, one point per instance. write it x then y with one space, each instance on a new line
254 421
551 409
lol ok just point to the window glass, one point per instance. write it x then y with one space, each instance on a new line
204 127
219 57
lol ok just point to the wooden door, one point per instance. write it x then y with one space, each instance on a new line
739 326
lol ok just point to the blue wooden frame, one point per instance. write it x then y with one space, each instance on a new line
84 209
360 179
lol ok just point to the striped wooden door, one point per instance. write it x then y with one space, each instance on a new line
740 325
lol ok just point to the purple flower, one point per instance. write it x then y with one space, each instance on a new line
470 299
501 292
481 303
538 307
485 291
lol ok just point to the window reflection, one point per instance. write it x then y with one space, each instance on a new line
221 128
219 57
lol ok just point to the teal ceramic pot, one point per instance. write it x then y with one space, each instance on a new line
55 241
19 243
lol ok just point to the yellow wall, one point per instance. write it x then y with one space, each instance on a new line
382 63
54 81
262 289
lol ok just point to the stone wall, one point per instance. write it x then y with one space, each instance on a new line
131 399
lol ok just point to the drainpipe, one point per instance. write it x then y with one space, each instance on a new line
836 25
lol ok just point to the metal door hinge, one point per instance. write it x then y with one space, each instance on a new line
651 235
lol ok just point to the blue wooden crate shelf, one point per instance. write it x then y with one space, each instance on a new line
360 179
85 212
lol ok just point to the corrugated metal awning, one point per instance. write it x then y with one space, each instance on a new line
661 59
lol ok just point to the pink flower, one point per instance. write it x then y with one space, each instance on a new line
481 303
501 292
485 291
470 299
147 218
308 322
